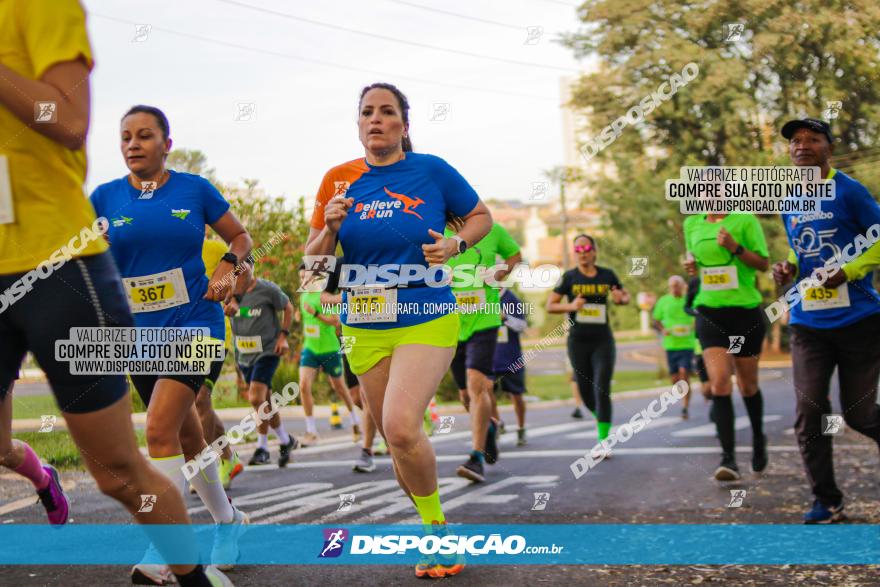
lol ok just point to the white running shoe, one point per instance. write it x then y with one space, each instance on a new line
217 578
225 550
152 573
365 463
599 452
142 574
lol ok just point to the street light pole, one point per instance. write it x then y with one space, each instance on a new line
564 224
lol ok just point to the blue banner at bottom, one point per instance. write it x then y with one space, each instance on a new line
498 544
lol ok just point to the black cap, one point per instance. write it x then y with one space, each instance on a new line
813 124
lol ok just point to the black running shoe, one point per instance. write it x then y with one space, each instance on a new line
284 451
727 470
261 457
577 414
491 451
472 469
759 454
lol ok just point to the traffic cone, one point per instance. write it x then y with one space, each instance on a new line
335 420
431 418
432 407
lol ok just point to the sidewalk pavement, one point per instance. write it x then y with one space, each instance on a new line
236 414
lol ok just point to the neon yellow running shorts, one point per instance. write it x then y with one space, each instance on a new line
372 345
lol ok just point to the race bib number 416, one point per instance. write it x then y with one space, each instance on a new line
249 344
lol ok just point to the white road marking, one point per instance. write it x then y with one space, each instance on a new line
270 495
18 504
398 503
488 493
709 429
510 437
324 500
25 502
658 423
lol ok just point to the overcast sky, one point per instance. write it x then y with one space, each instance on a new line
201 58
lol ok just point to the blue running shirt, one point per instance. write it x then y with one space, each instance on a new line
161 233
394 207
820 236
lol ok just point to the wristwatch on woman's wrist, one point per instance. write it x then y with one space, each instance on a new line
739 250
461 244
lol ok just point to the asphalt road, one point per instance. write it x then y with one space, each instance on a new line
661 475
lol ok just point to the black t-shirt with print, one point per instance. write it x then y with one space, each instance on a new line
592 320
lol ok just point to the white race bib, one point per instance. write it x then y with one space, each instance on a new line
472 300
591 314
823 298
680 330
503 335
719 278
7 210
150 293
248 345
368 305
312 331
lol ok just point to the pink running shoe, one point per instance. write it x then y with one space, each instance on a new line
53 498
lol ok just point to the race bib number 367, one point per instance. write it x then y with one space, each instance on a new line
150 293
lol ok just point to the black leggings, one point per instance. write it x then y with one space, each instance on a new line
593 363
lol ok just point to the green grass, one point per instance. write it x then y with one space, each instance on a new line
225 395
33 406
549 387
58 449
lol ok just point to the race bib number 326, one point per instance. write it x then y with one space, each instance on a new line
719 278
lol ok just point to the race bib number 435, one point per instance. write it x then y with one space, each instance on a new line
150 293
823 298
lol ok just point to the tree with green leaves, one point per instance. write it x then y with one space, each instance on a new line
760 63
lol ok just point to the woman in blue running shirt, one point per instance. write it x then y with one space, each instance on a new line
390 208
157 227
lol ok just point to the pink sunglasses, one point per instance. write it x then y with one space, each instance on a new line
583 248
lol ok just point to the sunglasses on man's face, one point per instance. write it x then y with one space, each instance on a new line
583 248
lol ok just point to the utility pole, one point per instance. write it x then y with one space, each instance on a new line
564 224
563 176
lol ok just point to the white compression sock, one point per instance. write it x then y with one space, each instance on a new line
281 433
310 425
209 488
263 441
172 467
353 418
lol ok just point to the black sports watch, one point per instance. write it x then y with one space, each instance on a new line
285 331
237 297
739 250
230 258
